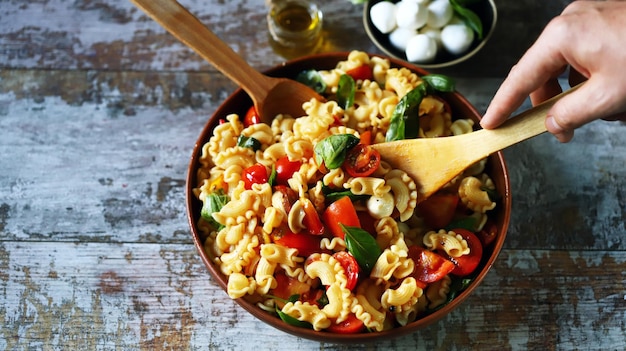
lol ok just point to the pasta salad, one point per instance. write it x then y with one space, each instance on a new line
306 220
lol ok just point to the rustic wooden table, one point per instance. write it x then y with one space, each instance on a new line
99 111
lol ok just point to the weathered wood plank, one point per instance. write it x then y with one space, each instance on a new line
113 35
155 297
102 156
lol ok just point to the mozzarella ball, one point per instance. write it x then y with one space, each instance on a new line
457 38
411 14
383 15
434 33
421 48
439 13
400 37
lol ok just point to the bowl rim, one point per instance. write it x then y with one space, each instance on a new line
496 160
369 29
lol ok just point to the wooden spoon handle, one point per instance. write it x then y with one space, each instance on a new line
519 128
188 29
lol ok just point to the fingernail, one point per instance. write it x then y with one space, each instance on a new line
552 125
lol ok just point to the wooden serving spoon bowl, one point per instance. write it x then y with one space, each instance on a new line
271 96
433 162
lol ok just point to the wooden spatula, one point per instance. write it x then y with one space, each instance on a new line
433 162
271 96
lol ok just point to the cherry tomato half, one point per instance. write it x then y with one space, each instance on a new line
362 72
350 267
287 286
438 210
311 219
255 174
361 161
341 211
351 325
429 266
285 169
466 264
306 244
252 117
489 233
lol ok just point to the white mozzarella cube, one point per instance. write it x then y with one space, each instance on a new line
457 38
411 14
440 12
383 15
421 49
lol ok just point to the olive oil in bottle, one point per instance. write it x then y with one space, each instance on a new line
295 27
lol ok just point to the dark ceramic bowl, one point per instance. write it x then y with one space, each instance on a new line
239 102
486 11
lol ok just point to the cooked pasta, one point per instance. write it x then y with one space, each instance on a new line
288 226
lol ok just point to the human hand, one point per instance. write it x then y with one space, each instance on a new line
588 37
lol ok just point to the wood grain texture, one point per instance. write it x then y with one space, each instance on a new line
99 111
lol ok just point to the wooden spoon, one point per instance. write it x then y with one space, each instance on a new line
433 162
271 96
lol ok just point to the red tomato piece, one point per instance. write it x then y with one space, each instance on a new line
252 117
341 211
429 266
287 286
306 244
350 267
351 325
488 234
285 169
466 264
366 137
438 210
361 161
362 72
311 219
255 174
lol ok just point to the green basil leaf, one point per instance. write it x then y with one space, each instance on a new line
336 195
332 150
213 203
293 321
249 142
362 246
272 178
312 79
468 223
440 82
406 110
492 193
345 91
469 17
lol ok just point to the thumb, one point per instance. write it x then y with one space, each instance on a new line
588 103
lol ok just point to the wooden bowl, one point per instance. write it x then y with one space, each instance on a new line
239 103
486 11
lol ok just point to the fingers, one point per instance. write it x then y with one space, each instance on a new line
590 102
535 72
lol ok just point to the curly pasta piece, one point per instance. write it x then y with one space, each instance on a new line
261 132
472 195
334 244
450 242
241 255
264 276
239 285
306 312
437 292
279 254
335 178
404 190
380 66
404 296
385 265
367 306
401 80
462 126
367 186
